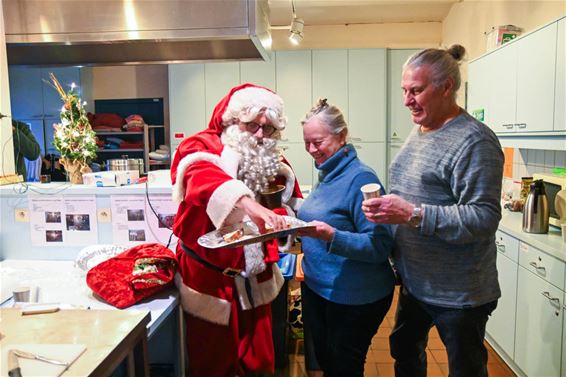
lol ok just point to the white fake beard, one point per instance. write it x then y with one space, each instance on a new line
259 163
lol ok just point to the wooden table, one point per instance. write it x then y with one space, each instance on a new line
110 336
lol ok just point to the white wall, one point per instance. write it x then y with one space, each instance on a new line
392 35
6 147
467 22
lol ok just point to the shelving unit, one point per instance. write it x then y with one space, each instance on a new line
152 136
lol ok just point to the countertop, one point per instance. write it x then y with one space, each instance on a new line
109 336
551 243
61 282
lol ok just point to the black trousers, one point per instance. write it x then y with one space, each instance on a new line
461 330
341 334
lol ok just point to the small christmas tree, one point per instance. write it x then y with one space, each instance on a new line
74 137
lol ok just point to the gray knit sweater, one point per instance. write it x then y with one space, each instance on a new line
455 173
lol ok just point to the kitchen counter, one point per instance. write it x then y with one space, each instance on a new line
551 243
109 337
61 282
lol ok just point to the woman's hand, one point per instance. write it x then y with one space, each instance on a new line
261 216
321 230
388 209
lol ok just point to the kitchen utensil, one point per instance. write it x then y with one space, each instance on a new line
560 206
125 163
536 212
33 356
215 239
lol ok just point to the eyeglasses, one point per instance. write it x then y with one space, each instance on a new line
267 129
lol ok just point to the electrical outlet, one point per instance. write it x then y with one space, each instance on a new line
104 215
22 215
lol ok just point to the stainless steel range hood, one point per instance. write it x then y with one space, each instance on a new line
115 32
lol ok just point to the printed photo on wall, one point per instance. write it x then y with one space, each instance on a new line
135 215
78 222
136 234
54 236
52 217
166 220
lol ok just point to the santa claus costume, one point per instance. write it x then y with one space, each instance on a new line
226 292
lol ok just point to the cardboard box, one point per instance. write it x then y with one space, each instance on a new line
111 178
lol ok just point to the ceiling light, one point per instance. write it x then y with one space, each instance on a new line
296 32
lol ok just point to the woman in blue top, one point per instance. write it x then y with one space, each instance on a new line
349 282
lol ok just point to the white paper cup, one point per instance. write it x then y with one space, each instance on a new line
22 294
371 190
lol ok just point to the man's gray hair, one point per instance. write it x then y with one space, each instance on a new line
444 63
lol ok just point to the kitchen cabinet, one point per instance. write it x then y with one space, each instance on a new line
301 162
367 78
294 85
399 121
35 102
330 78
187 112
514 86
501 324
259 73
374 155
538 343
219 79
560 92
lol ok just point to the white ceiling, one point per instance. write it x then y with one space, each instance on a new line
340 12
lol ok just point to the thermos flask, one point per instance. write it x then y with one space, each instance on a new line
536 211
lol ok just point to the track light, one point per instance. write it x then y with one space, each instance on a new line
296 32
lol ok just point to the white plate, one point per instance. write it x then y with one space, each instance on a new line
215 239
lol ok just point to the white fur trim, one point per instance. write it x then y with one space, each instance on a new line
295 203
253 255
230 159
179 186
286 172
221 208
203 306
263 293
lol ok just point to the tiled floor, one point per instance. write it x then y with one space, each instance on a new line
380 364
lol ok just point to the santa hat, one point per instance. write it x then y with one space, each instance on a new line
247 98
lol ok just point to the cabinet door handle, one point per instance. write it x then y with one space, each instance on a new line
356 138
500 246
284 140
508 126
357 146
37 116
555 300
521 125
284 148
538 268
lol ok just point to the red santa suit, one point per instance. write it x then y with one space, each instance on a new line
228 332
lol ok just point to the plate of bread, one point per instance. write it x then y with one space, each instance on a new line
247 232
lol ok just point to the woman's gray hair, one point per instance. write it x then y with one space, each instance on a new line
327 114
444 63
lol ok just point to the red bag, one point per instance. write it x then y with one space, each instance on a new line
133 275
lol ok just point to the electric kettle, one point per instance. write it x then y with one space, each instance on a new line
536 212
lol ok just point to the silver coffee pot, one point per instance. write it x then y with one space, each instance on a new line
536 211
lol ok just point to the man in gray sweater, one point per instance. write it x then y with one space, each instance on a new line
445 192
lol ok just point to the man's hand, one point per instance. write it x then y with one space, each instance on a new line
322 231
261 216
388 209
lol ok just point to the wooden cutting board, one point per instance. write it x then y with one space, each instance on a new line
63 352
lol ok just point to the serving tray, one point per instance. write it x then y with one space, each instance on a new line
215 239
